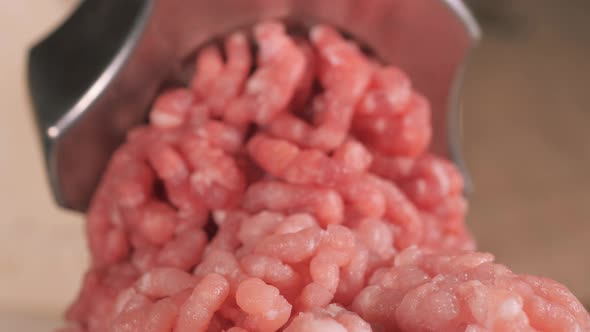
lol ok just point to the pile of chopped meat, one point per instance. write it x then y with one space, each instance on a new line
289 187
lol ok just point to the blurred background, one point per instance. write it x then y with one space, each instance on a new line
526 141
526 103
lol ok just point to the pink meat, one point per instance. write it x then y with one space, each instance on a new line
462 290
295 194
199 308
265 308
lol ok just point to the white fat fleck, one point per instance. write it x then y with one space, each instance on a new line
380 125
219 216
164 119
357 152
231 135
134 200
316 33
392 97
255 85
271 314
442 178
295 223
324 325
297 129
407 257
438 278
238 38
395 96
334 309
478 299
200 179
475 328
510 308
202 133
296 71
220 270
116 217
370 103
332 199
310 245
271 47
334 54
421 186
123 299
577 328
318 105
145 281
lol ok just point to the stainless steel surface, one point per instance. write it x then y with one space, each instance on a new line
94 77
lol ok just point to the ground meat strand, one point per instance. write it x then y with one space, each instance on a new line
461 290
295 194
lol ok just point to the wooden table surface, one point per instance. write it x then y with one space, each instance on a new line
526 140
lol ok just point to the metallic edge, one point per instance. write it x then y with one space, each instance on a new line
455 132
